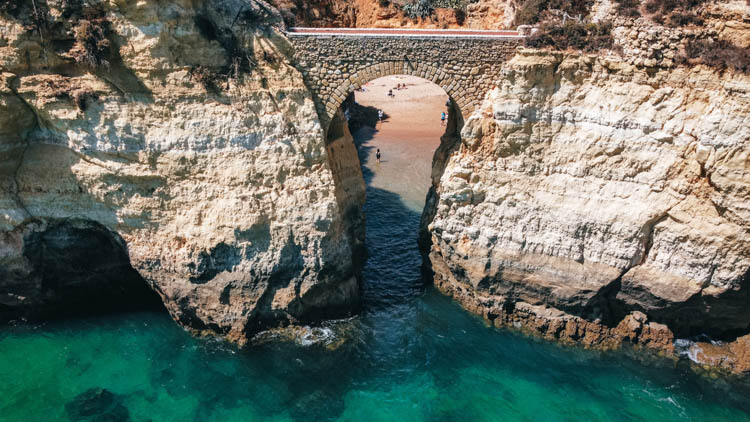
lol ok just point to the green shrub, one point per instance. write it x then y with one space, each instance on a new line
425 8
418 9
453 4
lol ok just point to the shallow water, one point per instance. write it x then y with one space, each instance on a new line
412 355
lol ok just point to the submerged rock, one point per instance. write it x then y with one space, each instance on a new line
97 405
732 356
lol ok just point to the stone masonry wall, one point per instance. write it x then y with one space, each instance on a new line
334 65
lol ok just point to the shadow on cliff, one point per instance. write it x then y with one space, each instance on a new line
363 127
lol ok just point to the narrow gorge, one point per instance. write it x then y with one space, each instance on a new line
214 160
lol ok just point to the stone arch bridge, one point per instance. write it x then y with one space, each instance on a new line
337 61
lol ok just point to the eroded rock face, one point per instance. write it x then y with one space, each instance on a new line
586 189
198 145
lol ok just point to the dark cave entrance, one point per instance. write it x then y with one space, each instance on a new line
77 268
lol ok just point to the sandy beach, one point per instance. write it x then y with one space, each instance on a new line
407 137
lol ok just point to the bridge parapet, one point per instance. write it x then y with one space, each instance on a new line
466 64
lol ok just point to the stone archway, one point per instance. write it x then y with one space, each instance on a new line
335 63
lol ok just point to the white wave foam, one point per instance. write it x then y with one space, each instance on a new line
315 335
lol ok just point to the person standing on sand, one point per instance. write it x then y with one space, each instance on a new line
442 119
377 156
380 115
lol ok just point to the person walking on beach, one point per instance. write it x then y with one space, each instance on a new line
377 156
380 115
442 119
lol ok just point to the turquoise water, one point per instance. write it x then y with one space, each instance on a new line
412 355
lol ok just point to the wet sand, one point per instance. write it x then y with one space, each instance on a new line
407 137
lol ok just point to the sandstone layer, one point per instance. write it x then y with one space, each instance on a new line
187 145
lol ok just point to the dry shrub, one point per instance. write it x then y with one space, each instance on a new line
240 61
92 47
528 13
64 90
588 37
11 7
720 55
269 58
206 77
629 8
674 13
533 11
57 88
460 16
33 16
82 98
677 19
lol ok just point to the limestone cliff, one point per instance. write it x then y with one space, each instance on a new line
177 136
586 188
604 198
